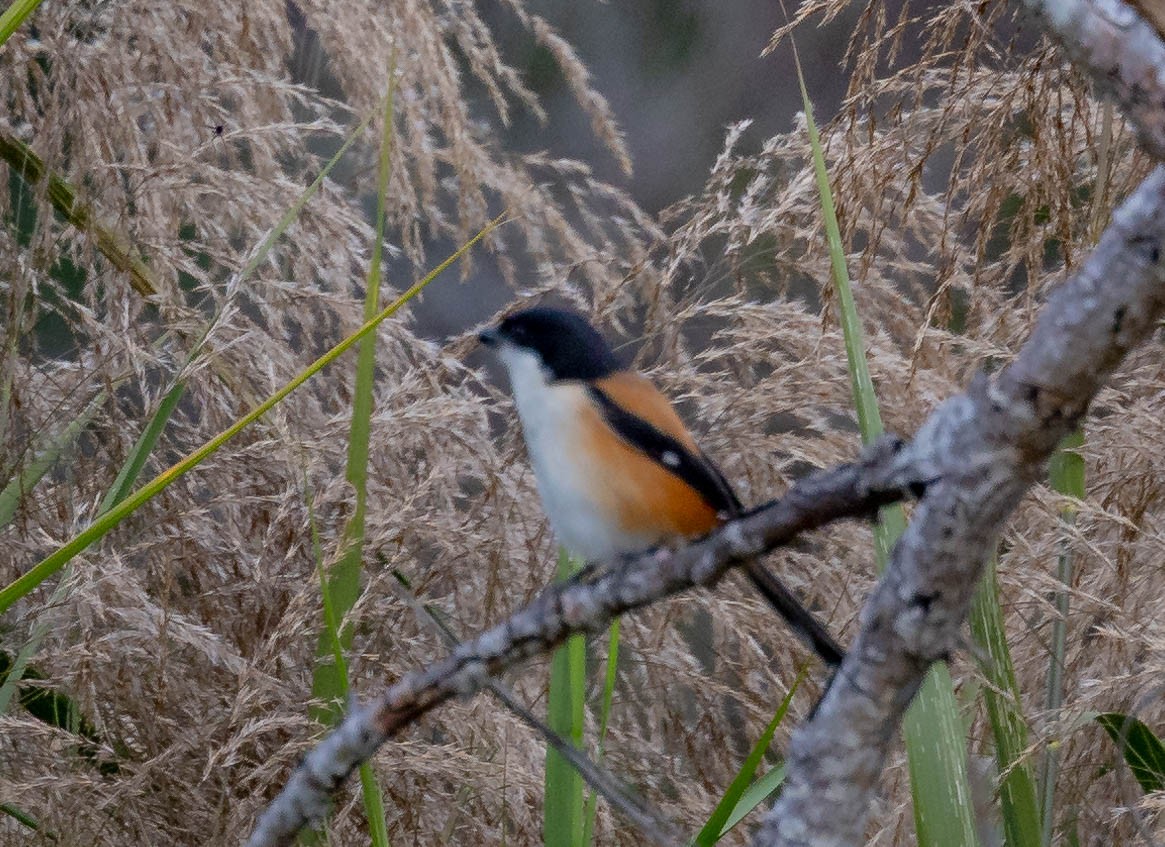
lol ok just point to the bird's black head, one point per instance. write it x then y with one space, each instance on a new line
568 346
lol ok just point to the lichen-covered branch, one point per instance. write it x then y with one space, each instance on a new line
652 826
974 458
586 603
984 448
1121 50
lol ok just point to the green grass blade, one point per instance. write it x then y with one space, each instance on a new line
578 686
121 486
562 783
861 384
25 819
295 208
609 681
339 591
55 561
369 787
1017 788
935 743
759 792
63 197
562 811
373 807
330 618
14 16
1142 750
1066 476
21 484
937 756
717 823
344 580
143 447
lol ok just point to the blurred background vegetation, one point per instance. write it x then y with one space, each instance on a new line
185 231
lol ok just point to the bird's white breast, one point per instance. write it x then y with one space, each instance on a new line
568 483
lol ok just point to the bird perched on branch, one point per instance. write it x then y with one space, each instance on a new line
617 470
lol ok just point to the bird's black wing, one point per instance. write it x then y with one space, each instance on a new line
697 470
694 468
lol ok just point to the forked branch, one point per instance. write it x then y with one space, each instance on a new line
974 459
985 448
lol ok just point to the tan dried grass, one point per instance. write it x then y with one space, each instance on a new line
189 633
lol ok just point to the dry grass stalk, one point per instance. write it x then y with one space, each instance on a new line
964 179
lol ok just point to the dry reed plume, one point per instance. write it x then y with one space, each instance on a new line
967 181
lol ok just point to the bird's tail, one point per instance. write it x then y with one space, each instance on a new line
803 622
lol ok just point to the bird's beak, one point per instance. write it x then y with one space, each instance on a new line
490 337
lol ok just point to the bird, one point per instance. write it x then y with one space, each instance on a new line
617 471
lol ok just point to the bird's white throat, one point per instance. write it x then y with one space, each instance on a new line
551 413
